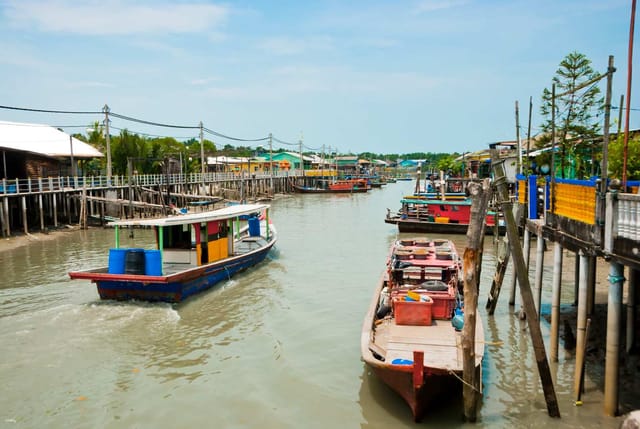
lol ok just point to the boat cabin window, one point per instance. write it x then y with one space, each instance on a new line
177 237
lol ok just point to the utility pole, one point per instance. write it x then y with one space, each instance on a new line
628 100
301 160
73 166
202 152
107 137
271 161
529 130
519 169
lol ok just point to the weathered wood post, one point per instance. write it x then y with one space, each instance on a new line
581 323
539 266
471 388
525 288
555 301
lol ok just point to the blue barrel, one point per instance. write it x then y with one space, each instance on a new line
116 261
134 261
254 226
152 263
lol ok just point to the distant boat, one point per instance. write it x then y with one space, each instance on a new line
426 215
193 252
346 186
410 335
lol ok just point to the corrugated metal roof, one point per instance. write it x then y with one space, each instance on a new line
43 140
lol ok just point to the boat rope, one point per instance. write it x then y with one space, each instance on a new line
228 274
464 382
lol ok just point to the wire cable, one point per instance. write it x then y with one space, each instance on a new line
25 109
215 133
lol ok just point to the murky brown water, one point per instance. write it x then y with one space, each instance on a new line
276 347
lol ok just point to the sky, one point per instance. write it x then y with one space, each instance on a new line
348 76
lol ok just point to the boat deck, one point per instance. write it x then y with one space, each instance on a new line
441 344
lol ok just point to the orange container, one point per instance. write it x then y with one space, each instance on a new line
412 312
442 219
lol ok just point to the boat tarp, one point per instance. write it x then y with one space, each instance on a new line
223 213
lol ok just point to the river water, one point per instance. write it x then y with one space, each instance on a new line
276 347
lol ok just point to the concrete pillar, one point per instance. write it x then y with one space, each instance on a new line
555 301
614 313
634 278
23 200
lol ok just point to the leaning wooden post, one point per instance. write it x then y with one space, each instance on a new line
475 232
525 289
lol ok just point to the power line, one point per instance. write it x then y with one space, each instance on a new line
215 133
25 109
157 124
285 143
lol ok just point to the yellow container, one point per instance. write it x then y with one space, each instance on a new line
442 219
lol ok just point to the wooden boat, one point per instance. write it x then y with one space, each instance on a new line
408 336
348 186
193 252
426 215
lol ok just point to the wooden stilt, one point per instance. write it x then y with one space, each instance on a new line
581 323
539 268
555 301
525 288
480 200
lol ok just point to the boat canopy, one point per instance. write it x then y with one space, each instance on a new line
427 202
220 214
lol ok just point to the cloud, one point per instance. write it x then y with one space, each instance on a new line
433 5
294 46
330 81
113 17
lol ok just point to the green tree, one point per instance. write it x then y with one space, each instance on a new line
576 114
616 155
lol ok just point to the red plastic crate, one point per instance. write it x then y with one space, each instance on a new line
412 312
443 305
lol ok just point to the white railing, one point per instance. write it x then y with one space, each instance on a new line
629 216
51 184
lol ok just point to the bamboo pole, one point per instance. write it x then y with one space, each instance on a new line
475 232
555 302
539 267
581 323
525 289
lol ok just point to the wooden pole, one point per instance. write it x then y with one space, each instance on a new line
581 323
555 301
525 289
475 232
498 277
539 267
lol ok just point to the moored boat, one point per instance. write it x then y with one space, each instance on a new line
424 215
193 252
411 335
346 186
